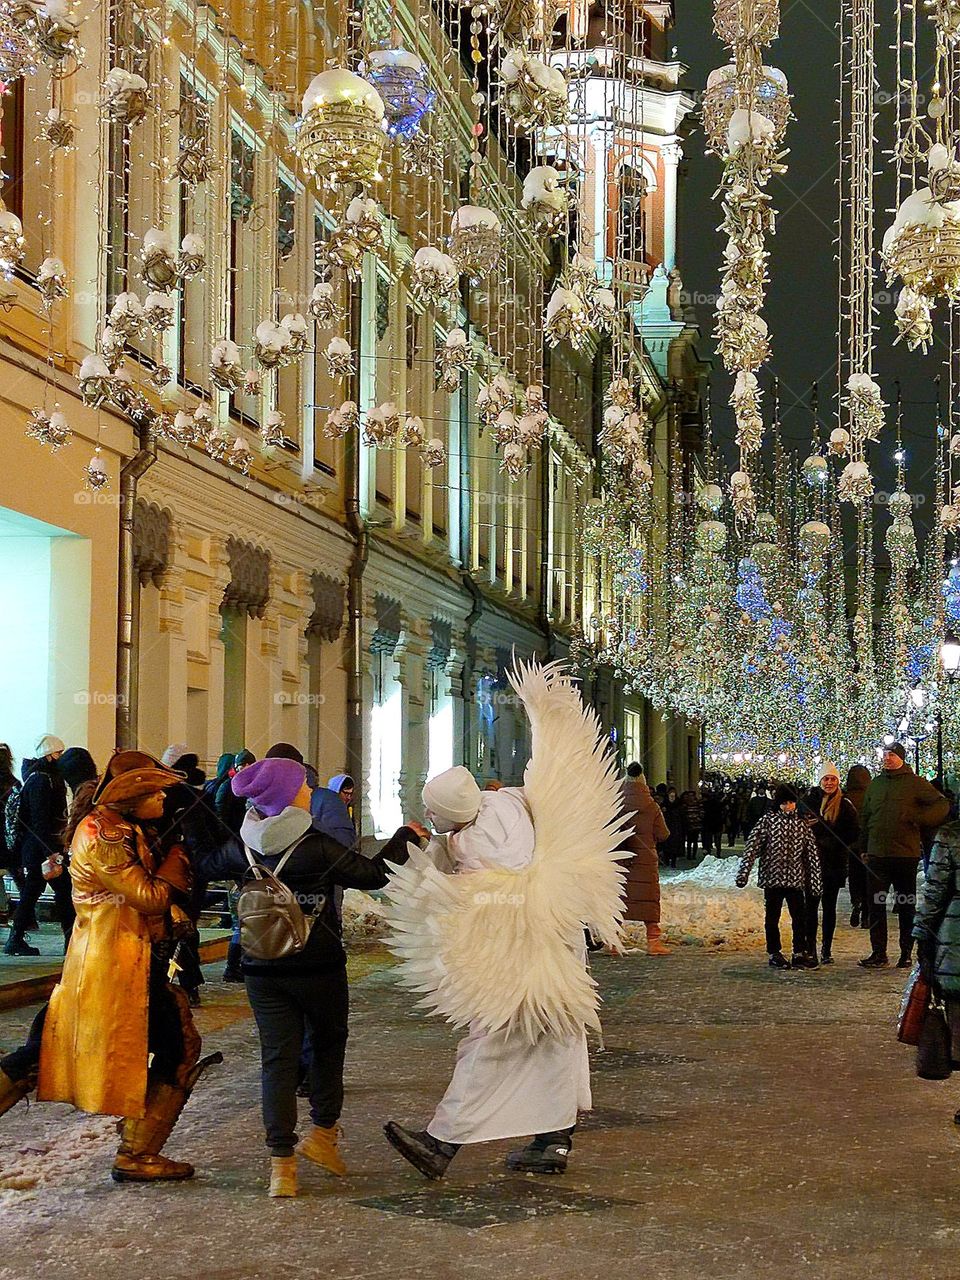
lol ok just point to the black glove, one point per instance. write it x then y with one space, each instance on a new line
927 957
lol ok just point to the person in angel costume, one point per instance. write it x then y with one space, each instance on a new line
489 920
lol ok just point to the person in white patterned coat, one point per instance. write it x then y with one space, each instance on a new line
788 872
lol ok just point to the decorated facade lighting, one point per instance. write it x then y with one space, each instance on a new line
342 129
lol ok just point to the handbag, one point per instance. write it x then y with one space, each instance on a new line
934 1060
913 1007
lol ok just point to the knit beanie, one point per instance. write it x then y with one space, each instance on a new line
897 749
76 766
49 745
453 795
270 785
826 770
173 753
284 751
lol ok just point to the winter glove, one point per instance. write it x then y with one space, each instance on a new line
741 880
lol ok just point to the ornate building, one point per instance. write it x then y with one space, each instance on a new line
279 579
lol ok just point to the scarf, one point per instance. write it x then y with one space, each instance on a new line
830 807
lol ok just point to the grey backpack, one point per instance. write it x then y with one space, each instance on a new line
273 925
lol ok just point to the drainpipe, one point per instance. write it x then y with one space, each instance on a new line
128 614
543 616
357 528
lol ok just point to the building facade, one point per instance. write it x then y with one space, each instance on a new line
306 586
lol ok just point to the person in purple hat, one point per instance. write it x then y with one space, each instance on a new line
306 991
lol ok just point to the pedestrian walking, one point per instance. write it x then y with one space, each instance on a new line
306 990
788 872
714 816
897 808
647 828
673 817
757 806
692 822
855 790
836 829
41 819
937 928
9 787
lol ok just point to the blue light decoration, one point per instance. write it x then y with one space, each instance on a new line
750 596
951 594
401 80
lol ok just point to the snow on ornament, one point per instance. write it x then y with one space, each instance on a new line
567 318
855 483
452 358
741 496
270 344
603 311
434 452
57 129
816 470
514 461
914 320
323 304
95 380
382 425
531 428
534 94
360 231
225 367
340 421
126 316
12 243
19 53
273 433
192 257
57 33
544 199
770 98
950 517
493 397
401 80
839 443
412 434
866 407
95 474
814 539
922 246
749 129
252 382
339 357
746 406
711 535
476 240
505 428
125 96
342 130
240 455
158 311
48 429
295 326
743 340
184 428
52 281
434 279
158 260
217 442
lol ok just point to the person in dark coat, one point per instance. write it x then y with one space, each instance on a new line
9 783
673 817
230 808
757 806
897 808
40 824
714 816
855 790
647 830
692 822
836 828
936 928
308 990
222 775
788 872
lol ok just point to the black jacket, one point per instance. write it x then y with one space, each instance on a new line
317 865
43 813
937 923
835 843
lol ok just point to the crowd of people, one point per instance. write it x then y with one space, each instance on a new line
129 852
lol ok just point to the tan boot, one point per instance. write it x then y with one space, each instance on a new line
320 1146
283 1176
654 946
138 1158
12 1091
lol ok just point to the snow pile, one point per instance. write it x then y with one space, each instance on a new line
364 919
63 1154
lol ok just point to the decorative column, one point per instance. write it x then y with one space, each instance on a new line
410 655
672 154
219 560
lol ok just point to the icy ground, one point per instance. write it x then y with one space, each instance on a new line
747 1125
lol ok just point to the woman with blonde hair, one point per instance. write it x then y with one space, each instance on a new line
836 828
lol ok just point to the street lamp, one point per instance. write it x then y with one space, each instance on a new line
950 661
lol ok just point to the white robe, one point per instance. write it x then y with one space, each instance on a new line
502 1086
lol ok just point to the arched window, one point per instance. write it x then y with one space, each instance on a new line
631 234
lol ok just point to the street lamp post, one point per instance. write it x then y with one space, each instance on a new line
950 661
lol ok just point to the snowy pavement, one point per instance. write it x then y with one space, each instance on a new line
746 1124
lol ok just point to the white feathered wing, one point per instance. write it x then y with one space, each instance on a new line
504 949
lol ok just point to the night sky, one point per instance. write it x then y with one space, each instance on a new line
802 306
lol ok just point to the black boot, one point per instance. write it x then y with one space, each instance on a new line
232 972
547 1153
855 918
778 960
17 945
427 1154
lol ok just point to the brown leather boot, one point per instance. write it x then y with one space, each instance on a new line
138 1158
12 1091
655 947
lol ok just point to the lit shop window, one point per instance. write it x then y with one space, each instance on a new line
386 724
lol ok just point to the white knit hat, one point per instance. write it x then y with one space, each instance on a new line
50 744
453 795
825 770
173 753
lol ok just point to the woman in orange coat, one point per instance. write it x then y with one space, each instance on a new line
643 869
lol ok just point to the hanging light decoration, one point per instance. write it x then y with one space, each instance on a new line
534 93
544 200
342 129
401 80
476 240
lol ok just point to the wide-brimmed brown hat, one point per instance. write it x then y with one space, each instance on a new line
123 762
134 784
